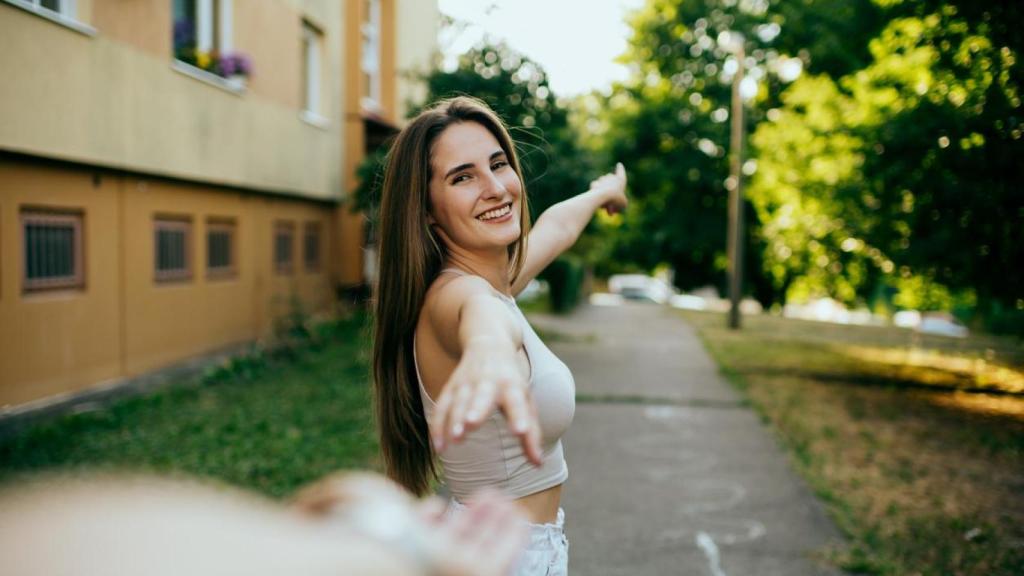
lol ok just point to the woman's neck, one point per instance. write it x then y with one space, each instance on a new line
491 267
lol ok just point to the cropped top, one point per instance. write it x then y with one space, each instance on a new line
491 455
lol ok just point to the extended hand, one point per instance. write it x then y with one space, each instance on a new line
487 376
485 539
613 187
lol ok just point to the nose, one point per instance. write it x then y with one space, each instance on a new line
492 187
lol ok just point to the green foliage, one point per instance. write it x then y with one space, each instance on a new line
890 167
904 169
670 125
565 281
271 420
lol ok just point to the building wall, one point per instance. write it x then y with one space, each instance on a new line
107 125
115 100
417 24
124 322
53 342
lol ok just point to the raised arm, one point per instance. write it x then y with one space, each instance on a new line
475 326
560 225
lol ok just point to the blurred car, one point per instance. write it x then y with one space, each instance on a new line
641 287
907 319
688 302
943 324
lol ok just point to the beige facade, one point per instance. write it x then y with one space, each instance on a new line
98 120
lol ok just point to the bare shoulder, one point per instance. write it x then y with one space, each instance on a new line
443 304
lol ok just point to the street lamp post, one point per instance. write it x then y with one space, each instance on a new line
734 43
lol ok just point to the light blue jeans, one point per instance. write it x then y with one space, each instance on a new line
547 549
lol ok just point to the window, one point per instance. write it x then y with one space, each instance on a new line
312 42
284 242
53 250
202 36
312 247
220 248
371 54
55 5
63 12
62 8
173 244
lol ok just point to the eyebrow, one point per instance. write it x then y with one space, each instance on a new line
461 167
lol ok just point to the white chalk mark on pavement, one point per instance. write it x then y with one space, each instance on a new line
707 544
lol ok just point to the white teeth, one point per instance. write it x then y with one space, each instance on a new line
496 213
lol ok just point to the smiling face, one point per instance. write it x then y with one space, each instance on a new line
475 193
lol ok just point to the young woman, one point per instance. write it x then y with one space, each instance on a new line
458 372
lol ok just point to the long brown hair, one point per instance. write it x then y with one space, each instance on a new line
410 257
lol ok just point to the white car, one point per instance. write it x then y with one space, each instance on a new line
640 287
943 324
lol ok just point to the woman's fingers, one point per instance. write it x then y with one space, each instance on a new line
517 410
531 440
457 413
439 422
522 420
483 401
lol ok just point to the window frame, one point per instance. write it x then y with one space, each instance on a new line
214 25
316 265
370 34
284 268
172 223
230 226
43 216
67 15
214 32
312 66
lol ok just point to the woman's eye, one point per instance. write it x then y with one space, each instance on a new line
460 178
499 164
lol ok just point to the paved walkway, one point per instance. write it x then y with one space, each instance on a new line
669 472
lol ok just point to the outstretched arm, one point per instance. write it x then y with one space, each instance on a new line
475 326
560 225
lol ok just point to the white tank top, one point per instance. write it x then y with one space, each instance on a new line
492 456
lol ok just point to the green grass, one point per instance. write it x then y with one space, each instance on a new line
915 444
268 422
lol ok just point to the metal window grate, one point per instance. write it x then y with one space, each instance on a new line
172 243
53 250
220 255
312 246
284 241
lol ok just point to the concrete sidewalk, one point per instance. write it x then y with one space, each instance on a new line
669 471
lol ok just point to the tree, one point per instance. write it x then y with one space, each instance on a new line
669 124
911 163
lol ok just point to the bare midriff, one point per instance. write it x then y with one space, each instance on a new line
542 507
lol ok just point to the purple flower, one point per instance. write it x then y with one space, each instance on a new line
227 66
235 63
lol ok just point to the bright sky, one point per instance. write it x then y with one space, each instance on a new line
574 41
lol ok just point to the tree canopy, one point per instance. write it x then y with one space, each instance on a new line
889 166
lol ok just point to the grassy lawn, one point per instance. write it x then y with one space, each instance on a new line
270 423
916 444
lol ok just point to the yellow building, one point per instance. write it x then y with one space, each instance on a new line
174 173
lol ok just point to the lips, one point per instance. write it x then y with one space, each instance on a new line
495 213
